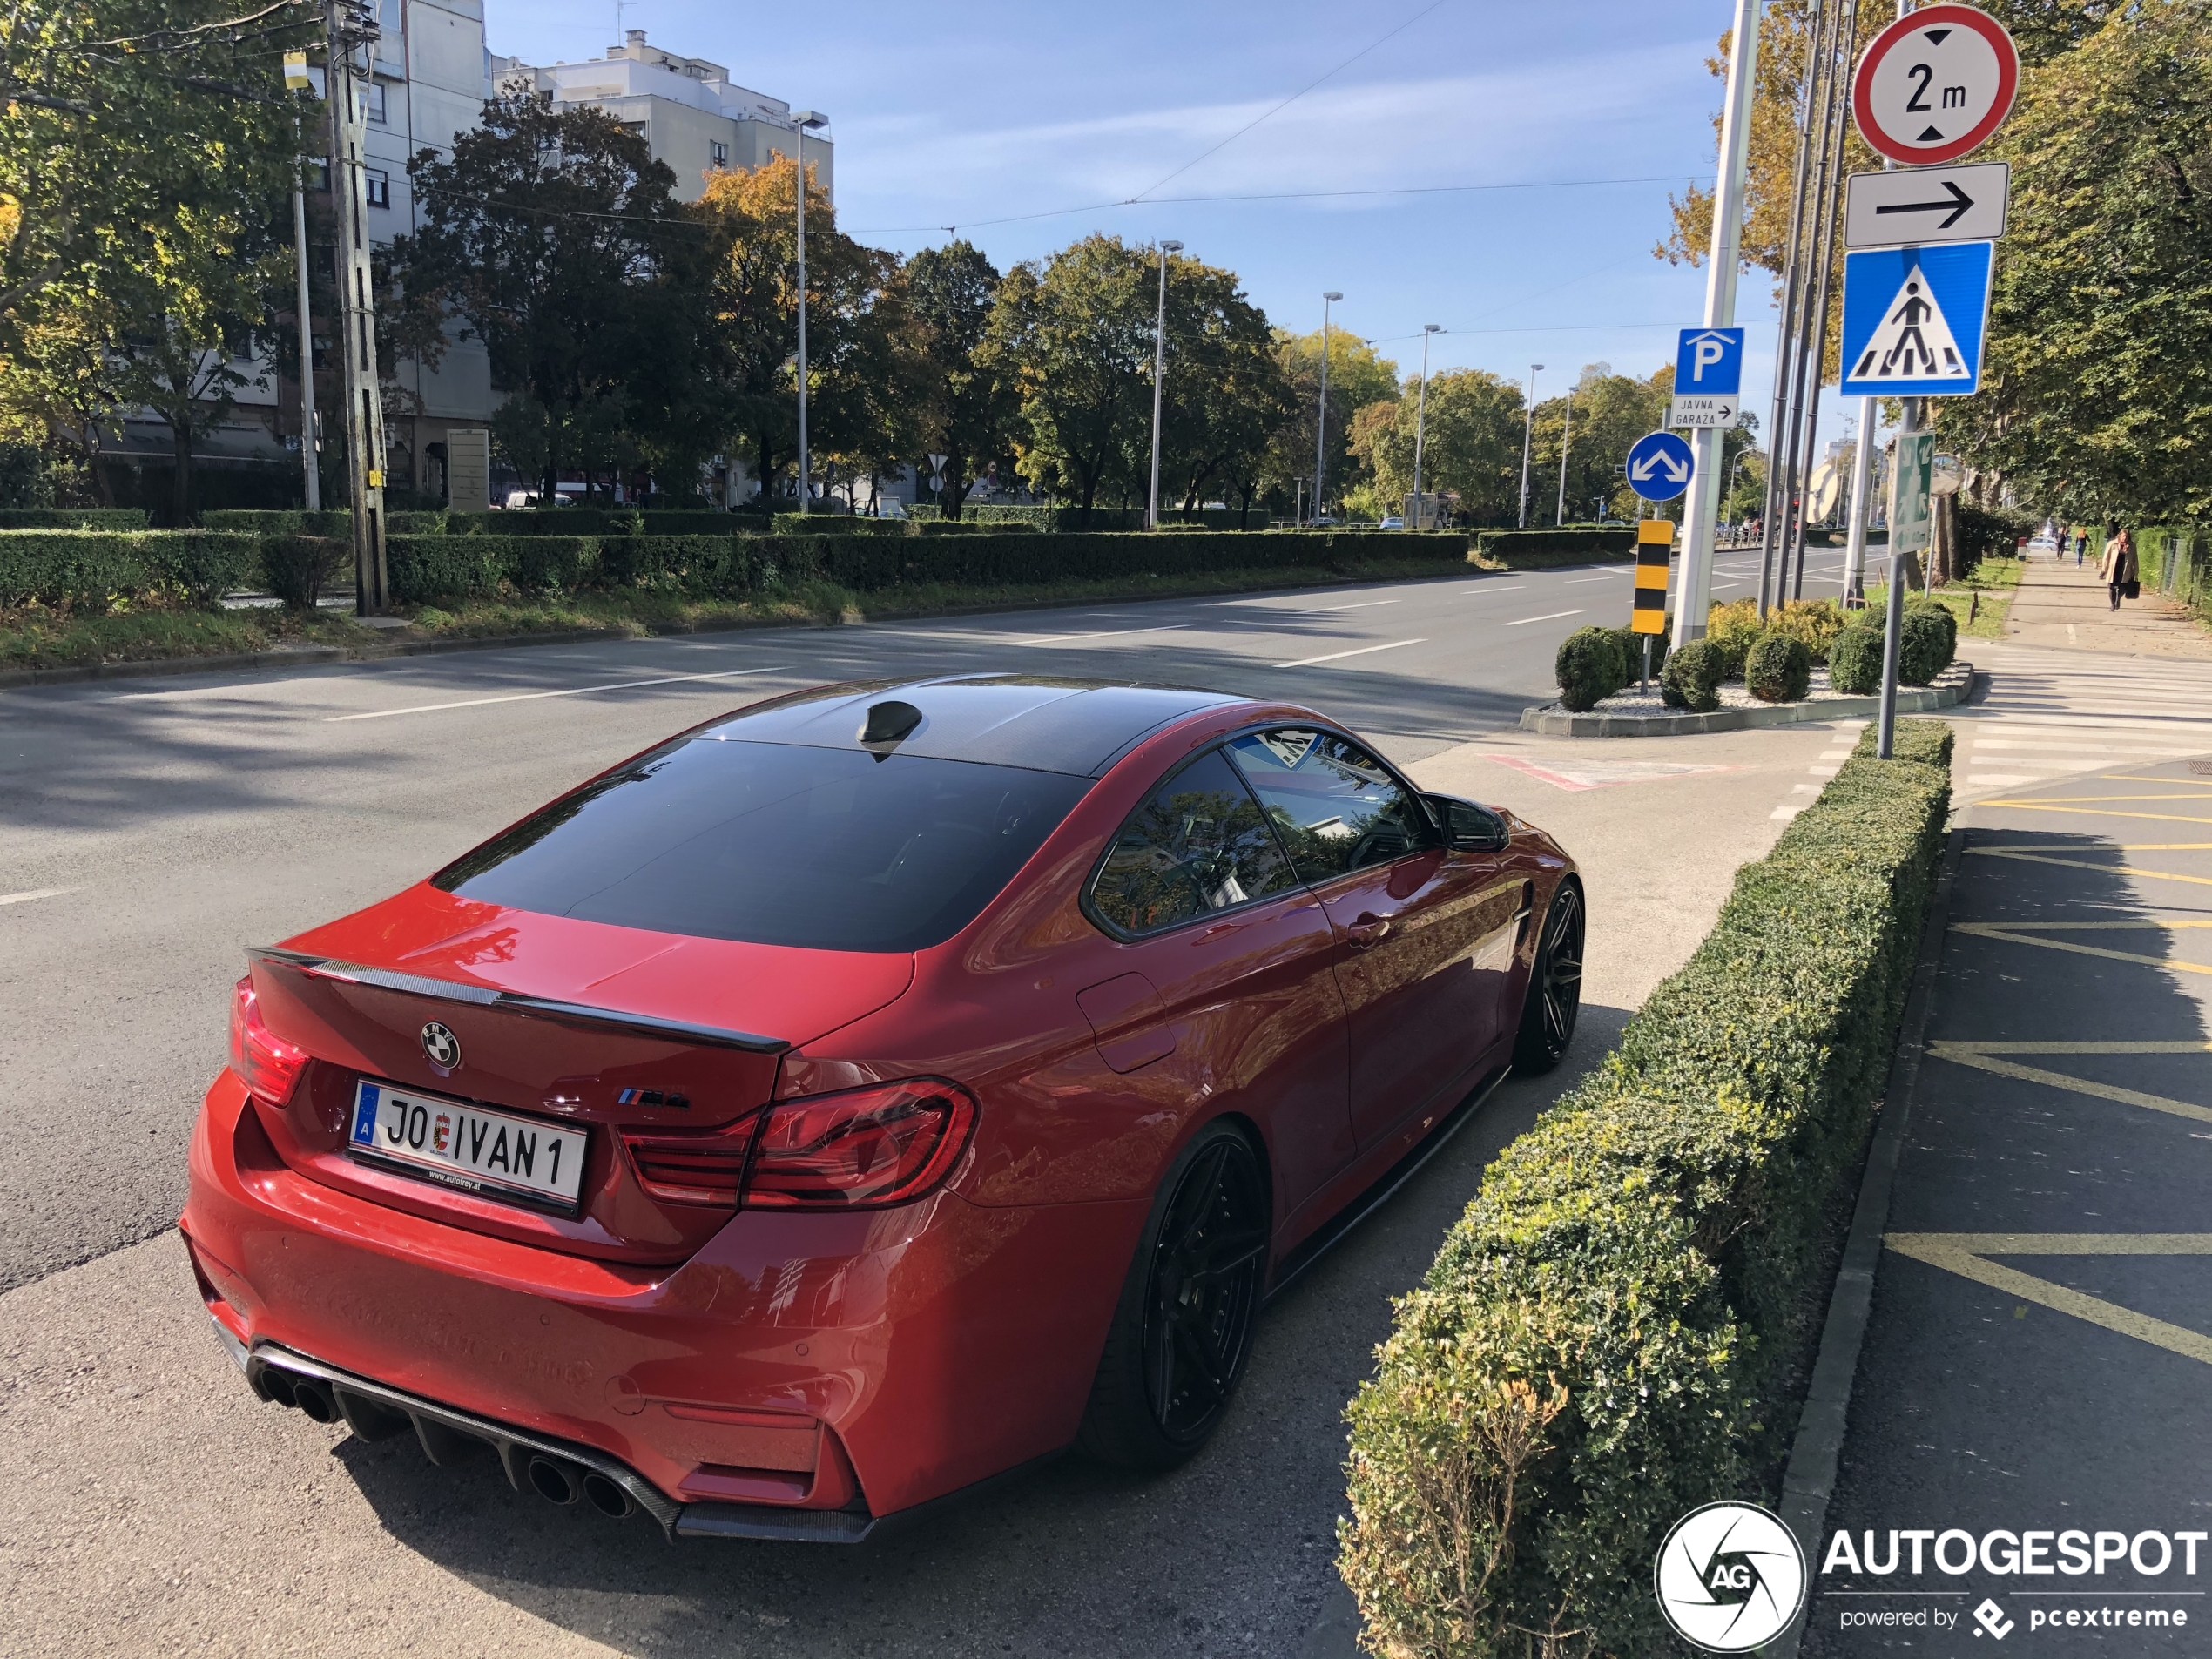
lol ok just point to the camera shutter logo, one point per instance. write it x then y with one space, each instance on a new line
442 1047
1729 1577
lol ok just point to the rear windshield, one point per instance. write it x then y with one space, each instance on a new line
829 849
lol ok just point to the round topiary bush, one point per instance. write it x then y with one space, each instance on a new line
1944 615
1590 667
1692 678
1855 659
1779 668
1924 647
1732 628
1632 653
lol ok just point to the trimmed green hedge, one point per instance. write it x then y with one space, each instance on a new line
75 569
436 569
838 524
560 520
1608 1337
1591 542
72 518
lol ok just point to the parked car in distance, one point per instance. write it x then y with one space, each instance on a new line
865 1094
1392 523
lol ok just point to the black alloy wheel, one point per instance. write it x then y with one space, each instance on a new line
1555 1001
1184 1328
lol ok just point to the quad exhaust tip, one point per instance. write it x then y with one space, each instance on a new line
374 1413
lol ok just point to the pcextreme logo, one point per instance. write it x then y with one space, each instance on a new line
1729 1577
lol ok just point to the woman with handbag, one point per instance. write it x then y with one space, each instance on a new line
2120 564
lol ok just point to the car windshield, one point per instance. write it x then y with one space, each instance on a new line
776 844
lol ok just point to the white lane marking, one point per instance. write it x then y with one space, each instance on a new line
532 697
1468 593
1578 581
1522 622
1828 770
1356 604
1805 789
1787 811
1836 754
1338 656
36 892
2005 780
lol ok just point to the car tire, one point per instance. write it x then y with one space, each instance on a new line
1182 1327
1554 998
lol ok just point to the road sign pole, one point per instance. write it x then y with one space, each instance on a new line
1862 478
1893 613
1701 509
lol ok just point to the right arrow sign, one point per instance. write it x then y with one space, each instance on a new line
1927 204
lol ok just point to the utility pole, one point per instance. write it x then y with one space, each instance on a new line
1701 506
349 25
1566 437
1528 432
296 79
1321 424
1429 331
1159 369
800 120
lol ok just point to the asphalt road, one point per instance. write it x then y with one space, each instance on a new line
151 830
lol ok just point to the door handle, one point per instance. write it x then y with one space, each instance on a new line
1367 931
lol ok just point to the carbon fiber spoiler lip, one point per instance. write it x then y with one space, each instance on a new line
542 1007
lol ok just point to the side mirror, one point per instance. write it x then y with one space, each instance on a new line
1468 827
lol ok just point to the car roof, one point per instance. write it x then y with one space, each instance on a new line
1080 727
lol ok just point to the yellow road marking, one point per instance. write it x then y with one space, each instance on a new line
2132 778
2013 935
2047 800
1965 1253
2078 926
2040 806
2084 864
1984 1056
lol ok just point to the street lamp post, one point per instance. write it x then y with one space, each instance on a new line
1159 369
1528 432
800 121
1321 425
1429 331
1566 437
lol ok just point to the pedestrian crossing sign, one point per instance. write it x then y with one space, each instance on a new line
1914 320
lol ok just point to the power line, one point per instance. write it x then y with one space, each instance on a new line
1273 196
1293 99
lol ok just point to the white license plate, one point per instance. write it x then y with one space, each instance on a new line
492 1154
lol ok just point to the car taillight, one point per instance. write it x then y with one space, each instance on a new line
860 1148
265 1062
865 1146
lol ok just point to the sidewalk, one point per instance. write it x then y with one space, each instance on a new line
2029 1401
2071 609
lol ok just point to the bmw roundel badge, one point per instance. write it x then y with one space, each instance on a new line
442 1047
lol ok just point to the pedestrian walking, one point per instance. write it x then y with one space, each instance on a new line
2080 546
2119 562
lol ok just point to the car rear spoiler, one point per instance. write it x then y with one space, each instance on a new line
540 1007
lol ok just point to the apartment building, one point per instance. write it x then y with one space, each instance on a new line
695 117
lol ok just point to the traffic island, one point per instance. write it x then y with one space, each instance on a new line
1634 713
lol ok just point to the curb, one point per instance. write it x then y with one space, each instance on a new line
312 655
1953 685
1811 1478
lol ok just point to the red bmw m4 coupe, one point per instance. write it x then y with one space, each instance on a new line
865 1095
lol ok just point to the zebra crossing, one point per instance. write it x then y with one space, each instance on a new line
2052 714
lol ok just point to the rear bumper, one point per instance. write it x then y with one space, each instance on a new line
806 1364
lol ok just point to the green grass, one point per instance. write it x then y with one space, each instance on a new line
34 637
1993 581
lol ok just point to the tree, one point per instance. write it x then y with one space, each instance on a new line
952 291
555 236
1471 448
1224 396
1074 335
865 373
1357 378
2092 402
120 121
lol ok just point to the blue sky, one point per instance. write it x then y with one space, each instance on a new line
962 116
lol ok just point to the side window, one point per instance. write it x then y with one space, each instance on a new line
1335 807
1200 844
